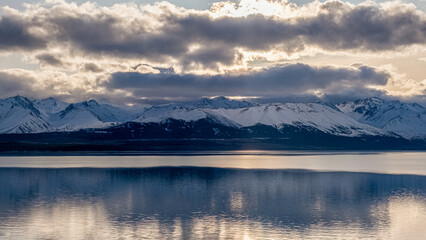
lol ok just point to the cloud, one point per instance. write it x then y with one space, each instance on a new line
15 35
334 26
295 82
49 59
15 84
365 27
205 39
48 83
277 81
165 52
91 67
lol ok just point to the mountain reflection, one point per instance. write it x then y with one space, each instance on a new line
189 202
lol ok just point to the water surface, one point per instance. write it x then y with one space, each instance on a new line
377 162
71 200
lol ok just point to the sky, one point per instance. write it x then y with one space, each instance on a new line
145 51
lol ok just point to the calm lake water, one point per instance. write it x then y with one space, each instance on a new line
252 195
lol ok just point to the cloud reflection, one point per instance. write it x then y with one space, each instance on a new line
165 203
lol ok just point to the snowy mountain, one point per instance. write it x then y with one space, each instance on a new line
313 115
191 111
19 115
369 117
91 114
50 105
405 119
180 110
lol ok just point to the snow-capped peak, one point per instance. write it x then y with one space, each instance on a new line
50 105
372 116
22 102
19 115
87 114
314 115
91 114
405 119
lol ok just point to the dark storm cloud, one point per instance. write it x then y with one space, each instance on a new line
14 35
289 79
172 33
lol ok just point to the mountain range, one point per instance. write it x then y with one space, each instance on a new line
218 117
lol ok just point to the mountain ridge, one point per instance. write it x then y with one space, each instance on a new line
19 115
405 119
352 119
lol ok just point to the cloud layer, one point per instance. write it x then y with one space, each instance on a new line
164 52
273 83
166 33
277 81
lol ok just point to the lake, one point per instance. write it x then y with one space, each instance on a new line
230 195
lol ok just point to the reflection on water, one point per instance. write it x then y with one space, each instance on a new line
166 203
